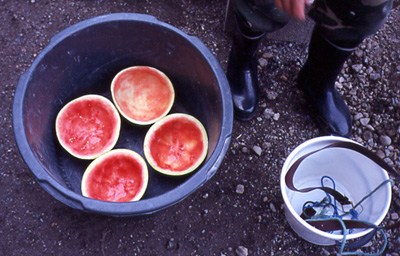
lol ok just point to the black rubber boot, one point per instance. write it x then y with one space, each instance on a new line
242 71
317 80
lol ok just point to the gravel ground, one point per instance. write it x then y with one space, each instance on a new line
240 210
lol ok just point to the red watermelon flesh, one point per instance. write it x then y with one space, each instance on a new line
120 175
88 126
176 145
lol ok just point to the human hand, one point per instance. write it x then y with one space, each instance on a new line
294 8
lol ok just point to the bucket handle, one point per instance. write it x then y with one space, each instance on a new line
331 225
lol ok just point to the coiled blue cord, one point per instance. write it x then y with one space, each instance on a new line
327 202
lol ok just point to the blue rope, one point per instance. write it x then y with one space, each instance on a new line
335 211
345 231
327 202
373 191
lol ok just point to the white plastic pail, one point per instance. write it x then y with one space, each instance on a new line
355 176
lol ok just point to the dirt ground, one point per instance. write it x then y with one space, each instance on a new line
219 218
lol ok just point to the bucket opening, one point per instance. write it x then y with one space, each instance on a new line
351 174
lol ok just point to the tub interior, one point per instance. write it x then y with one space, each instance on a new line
86 61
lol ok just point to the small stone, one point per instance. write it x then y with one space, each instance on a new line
272 207
391 132
267 55
283 78
240 189
257 150
394 216
266 145
242 251
367 135
271 95
268 113
276 116
263 62
171 244
380 154
359 53
364 121
245 150
374 76
357 67
370 127
326 252
385 140
358 116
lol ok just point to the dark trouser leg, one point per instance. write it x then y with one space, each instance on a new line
340 27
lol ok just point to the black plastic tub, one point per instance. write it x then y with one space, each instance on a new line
83 59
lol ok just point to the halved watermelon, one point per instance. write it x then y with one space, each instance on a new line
142 94
88 126
176 145
120 175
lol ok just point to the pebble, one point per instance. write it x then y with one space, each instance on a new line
240 189
374 76
364 121
267 55
326 252
257 150
380 153
268 113
357 67
242 251
272 95
283 78
385 140
171 244
359 53
266 145
367 135
272 207
358 116
394 216
263 62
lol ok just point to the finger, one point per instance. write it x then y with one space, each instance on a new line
298 9
278 4
286 6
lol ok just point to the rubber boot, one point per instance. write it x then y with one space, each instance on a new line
317 80
242 70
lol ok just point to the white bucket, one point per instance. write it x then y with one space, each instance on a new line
355 176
